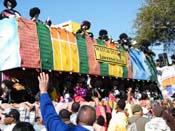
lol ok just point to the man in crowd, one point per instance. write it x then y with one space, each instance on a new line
23 126
9 92
157 123
167 114
65 115
74 108
137 117
119 119
85 118
11 118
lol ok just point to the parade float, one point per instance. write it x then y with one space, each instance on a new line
29 45
28 48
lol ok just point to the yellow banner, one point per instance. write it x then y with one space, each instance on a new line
112 56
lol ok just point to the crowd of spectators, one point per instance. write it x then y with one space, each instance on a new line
80 108
99 114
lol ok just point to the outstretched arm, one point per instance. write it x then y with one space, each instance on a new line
51 119
129 95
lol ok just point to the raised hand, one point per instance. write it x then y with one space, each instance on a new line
129 90
43 79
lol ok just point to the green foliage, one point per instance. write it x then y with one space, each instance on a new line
156 21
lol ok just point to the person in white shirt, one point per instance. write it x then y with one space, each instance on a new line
157 123
11 118
75 107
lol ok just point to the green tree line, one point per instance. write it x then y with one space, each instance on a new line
156 21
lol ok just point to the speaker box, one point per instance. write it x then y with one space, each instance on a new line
163 58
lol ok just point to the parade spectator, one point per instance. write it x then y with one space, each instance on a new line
23 126
67 92
85 118
9 12
138 118
12 117
100 109
108 113
65 115
174 102
38 125
9 93
119 119
100 124
1 92
157 123
173 112
74 108
129 102
108 118
80 91
167 114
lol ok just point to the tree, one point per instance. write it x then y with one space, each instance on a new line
156 21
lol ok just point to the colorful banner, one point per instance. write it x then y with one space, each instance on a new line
103 66
65 51
74 57
57 52
45 44
151 68
83 54
124 68
35 45
109 55
9 44
94 66
29 46
129 66
114 69
140 68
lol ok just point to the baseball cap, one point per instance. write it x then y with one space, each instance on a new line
136 108
12 113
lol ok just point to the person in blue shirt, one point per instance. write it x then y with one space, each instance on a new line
53 122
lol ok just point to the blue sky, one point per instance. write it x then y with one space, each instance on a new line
116 16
